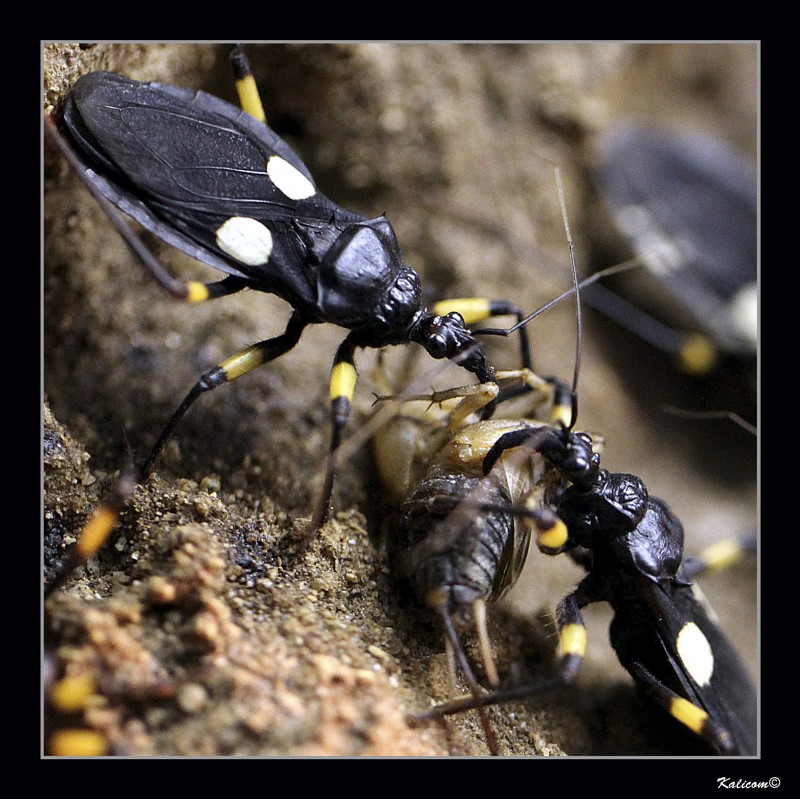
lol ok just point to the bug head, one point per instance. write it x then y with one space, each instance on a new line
449 337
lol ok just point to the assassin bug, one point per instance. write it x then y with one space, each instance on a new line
688 206
631 545
214 181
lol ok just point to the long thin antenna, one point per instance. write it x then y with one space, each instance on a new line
576 288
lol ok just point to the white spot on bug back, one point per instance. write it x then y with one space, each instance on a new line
659 253
744 313
695 653
245 239
295 185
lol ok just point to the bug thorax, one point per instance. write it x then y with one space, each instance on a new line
612 508
449 337
656 545
363 282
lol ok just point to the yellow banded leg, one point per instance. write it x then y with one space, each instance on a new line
77 742
572 645
246 88
100 526
562 411
67 699
231 368
718 556
551 532
95 532
479 309
201 292
342 388
571 635
682 710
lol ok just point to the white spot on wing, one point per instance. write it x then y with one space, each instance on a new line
245 239
292 183
744 312
695 653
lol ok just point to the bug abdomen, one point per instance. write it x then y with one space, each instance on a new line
452 550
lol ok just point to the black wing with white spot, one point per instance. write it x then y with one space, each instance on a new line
201 174
704 662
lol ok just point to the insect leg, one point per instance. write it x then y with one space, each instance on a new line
572 644
454 647
572 633
237 365
249 98
718 556
478 309
342 386
479 617
68 697
97 530
681 709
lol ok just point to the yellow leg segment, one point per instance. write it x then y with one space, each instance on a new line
688 714
572 640
196 292
243 362
77 743
343 380
96 531
249 97
473 309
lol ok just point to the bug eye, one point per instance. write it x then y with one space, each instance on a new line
456 317
436 346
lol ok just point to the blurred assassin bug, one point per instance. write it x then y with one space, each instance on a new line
215 182
687 205
631 545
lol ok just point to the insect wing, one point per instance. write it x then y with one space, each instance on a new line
707 664
184 164
523 479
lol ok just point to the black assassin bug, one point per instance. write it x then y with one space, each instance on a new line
631 545
215 182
